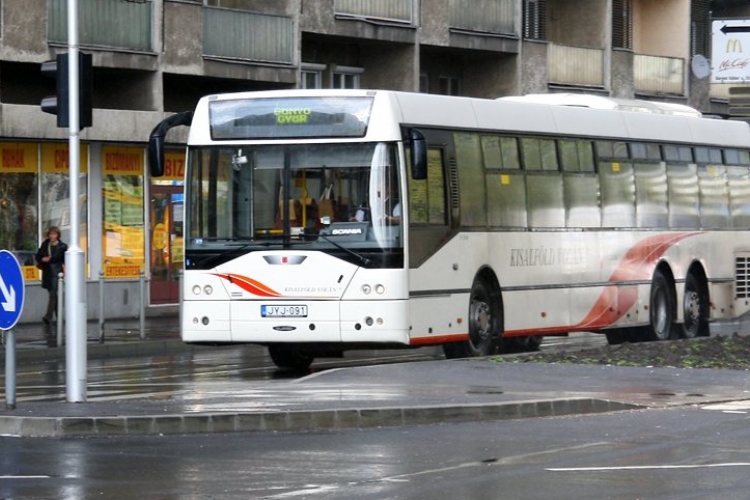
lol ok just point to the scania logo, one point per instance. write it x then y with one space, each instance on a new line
338 232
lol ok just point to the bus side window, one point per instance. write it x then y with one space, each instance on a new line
580 183
618 194
683 196
714 196
739 196
471 179
544 186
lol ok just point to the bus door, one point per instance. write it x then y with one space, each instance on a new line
430 216
166 243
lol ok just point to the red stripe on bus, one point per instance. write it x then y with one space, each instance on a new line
250 285
439 339
637 264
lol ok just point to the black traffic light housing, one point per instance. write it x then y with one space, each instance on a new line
58 104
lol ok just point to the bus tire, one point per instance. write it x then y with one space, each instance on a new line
526 343
485 316
290 357
662 305
695 308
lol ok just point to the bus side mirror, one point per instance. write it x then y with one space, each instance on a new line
156 140
418 155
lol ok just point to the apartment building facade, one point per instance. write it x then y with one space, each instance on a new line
155 57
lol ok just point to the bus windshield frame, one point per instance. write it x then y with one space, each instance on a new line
343 199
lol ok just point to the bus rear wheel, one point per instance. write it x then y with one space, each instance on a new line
661 308
290 357
485 313
695 308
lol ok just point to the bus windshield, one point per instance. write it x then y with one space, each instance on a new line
342 199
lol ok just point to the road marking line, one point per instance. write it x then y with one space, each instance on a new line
25 477
646 467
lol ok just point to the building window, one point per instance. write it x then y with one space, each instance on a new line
312 75
622 24
450 85
424 83
700 27
345 77
535 19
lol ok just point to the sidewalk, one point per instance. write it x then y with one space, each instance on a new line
122 337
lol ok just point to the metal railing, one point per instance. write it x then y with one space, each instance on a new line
142 299
236 34
575 65
489 16
659 75
387 10
104 23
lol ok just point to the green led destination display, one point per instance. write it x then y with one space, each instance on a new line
290 117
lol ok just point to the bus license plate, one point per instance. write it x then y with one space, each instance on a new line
268 311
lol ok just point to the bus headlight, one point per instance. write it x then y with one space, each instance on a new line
379 289
196 290
208 289
366 289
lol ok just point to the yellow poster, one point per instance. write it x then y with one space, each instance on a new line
56 158
174 166
18 158
122 160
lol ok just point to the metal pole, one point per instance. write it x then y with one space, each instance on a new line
142 312
101 307
10 370
60 307
75 306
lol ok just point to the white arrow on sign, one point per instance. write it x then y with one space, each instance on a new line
8 297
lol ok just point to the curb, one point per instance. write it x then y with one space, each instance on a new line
298 421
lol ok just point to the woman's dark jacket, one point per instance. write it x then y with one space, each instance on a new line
51 269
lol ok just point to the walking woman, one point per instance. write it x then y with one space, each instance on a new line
51 257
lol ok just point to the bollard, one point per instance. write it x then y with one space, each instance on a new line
10 370
101 307
60 308
142 312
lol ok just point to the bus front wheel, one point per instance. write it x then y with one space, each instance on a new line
290 357
485 316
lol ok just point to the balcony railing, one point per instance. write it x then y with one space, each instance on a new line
235 34
103 23
659 75
575 65
386 10
489 16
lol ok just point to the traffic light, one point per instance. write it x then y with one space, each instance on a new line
58 104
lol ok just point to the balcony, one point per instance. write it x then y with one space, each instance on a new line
399 11
103 23
484 16
233 34
576 66
659 75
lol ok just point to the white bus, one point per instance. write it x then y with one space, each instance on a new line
323 220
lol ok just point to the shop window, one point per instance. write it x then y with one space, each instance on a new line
123 242
19 203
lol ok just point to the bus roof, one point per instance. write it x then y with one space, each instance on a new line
543 114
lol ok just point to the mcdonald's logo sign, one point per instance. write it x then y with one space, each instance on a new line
734 45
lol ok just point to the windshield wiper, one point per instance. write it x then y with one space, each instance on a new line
364 260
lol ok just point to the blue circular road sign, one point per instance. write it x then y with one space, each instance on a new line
11 290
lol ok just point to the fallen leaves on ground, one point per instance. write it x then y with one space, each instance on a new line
721 352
